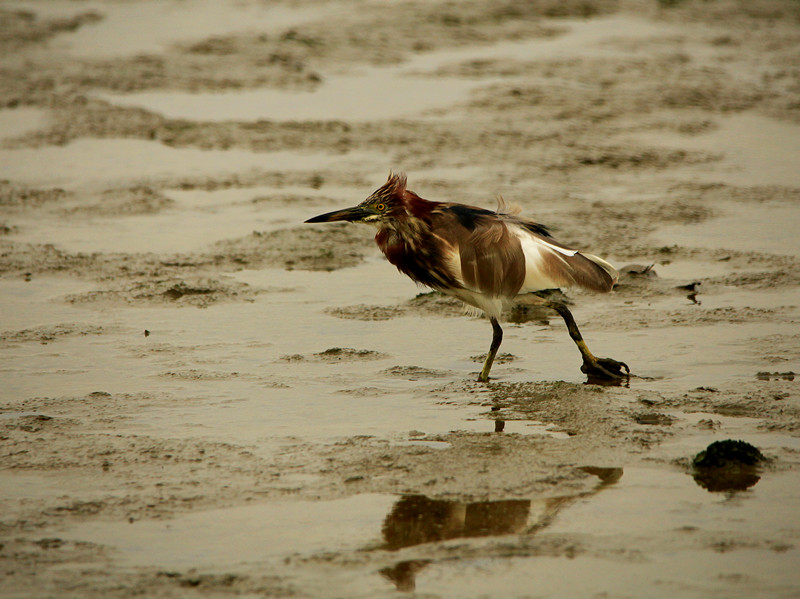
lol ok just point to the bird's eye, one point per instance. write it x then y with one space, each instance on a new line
380 207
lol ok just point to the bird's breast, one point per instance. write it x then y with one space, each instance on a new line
424 259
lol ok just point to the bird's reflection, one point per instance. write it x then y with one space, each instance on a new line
403 574
417 519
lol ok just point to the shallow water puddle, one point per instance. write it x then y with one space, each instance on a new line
19 121
313 414
197 219
243 374
391 92
698 346
152 25
686 271
704 350
254 533
769 508
667 358
689 542
755 149
768 227
27 304
227 405
222 538
372 93
104 161
269 197
168 231
701 544
22 487
235 366
697 574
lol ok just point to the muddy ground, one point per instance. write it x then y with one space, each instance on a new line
203 397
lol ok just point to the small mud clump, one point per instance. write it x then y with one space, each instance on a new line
727 466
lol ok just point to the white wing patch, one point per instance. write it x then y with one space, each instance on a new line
543 260
560 250
454 262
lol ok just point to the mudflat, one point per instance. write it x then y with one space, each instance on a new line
203 396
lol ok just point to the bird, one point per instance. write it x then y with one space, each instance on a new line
490 260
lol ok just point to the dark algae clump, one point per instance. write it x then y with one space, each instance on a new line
727 466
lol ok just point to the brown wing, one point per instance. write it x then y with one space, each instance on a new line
489 256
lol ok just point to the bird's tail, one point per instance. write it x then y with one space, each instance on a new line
595 273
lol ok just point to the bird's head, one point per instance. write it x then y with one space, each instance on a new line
384 204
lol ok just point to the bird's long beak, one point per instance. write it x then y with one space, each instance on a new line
354 214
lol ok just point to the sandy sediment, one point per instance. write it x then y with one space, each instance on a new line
203 396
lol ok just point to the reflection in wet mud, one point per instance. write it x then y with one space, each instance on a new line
603 382
403 574
717 480
417 519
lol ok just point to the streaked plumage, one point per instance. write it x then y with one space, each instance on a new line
486 259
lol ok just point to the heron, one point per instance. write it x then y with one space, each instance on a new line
490 260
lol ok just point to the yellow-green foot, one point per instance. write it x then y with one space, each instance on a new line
605 370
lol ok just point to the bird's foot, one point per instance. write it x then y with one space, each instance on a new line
605 371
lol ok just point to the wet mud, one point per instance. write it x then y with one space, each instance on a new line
202 396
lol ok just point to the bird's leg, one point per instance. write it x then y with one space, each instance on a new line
597 368
497 339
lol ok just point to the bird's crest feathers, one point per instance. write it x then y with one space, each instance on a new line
393 189
396 182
